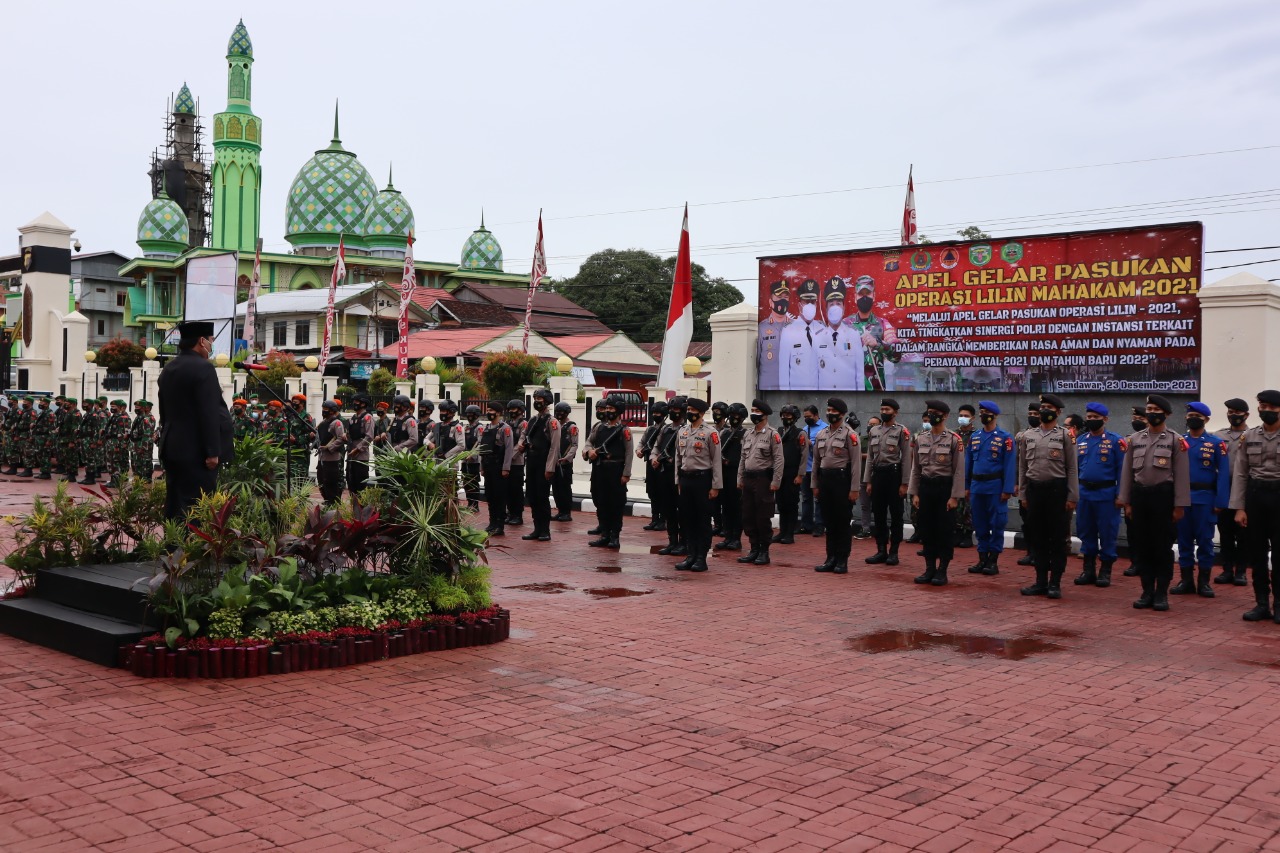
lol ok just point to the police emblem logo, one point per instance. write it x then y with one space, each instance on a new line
980 254
1162 461
921 261
949 259
769 355
1011 253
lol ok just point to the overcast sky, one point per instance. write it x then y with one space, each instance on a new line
611 116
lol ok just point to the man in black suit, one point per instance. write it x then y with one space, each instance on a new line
195 424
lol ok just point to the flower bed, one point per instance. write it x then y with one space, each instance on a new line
153 657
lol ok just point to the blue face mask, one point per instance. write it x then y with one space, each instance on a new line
963 420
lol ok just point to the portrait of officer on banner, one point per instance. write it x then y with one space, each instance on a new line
879 338
799 371
837 347
770 335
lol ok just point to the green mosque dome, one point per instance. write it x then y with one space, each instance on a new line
328 198
162 227
184 103
239 44
388 220
481 251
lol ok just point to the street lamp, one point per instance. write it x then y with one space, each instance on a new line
428 364
221 359
90 356
311 362
151 353
692 366
564 365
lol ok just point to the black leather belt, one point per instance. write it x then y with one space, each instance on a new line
1204 487
1097 484
987 478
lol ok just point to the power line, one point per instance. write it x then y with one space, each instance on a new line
1245 264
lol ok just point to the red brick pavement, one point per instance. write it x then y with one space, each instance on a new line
720 712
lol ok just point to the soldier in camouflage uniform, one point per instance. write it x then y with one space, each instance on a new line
241 424
90 428
274 428
300 433
142 440
68 438
55 443
22 436
6 419
115 442
43 447
12 419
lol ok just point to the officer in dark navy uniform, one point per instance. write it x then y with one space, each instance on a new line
1210 473
1100 456
991 474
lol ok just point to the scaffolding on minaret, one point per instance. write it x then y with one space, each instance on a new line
184 166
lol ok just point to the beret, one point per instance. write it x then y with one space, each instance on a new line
1034 406
299 397
1097 409
238 401
1053 400
1271 398
1199 408
990 406
697 404
102 399
74 400
275 404
1237 404
119 403
938 406
1163 403
381 404
891 403
762 406
839 405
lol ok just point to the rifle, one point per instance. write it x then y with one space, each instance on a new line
602 448
664 452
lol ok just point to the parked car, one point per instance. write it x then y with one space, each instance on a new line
635 412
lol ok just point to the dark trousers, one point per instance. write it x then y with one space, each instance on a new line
695 509
731 504
471 484
495 495
810 509
613 497
539 490
1152 531
562 487
357 475
1262 505
329 478
937 523
1233 544
834 485
757 508
788 504
184 482
651 489
1047 524
668 500
515 492
886 505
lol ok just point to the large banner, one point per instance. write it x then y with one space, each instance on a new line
211 295
1112 310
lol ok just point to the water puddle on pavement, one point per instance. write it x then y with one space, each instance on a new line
1010 648
602 592
549 588
609 570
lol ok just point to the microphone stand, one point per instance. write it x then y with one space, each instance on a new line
289 410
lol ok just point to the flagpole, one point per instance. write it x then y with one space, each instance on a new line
408 281
251 309
535 278
675 342
339 273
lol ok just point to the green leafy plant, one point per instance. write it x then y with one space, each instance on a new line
280 366
257 471
506 373
119 354
382 382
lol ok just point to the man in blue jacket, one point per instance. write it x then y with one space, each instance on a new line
1100 455
1210 492
990 480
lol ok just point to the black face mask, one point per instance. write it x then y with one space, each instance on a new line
780 306
1195 423
811 420
1155 418
935 418
1138 426
987 418
658 418
717 415
1033 420
1268 417
865 304
610 416
1048 416
755 419
788 421
1094 424
540 405
494 416
1237 420
887 419
735 420
833 417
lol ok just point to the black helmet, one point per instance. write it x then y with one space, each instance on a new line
739 411
402 400
472 410
660 408
329 406
543 394
718 408
600 404
494 406
361 401
678 402
426 404
448 406
790 409
518 405
562 408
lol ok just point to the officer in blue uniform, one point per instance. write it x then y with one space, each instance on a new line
1100 455
1210 492
991 479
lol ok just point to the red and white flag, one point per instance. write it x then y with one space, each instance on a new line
408 281
675 344
909 213
339 273
539 270
251 309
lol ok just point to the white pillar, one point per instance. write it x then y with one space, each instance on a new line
406 388
734 332
426 386
73 340
292 385
224 379
150 390
135 385
93 378
329 385
46 289
1240 340
313 386
453 390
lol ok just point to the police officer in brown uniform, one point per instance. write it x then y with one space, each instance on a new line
835 460
496 446
1255 496
759 478
1049 487
699 478
937 463
885 476
1233 544
331 438
1155 485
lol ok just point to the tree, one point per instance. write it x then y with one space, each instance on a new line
382 382
118 355
972 232
630 290
506 373
280 366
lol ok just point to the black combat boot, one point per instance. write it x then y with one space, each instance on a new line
1055 585
841 567
914 538
1228 574
1089 576
980 566
1203 587
1027 559
661 525
44 475
779 536
672 542
1147 598
686 564
614 537
893 555
829 565
819 532
762 559
700 564
1161 600
602 542
498 531
734 544
750 556
1041 586
1261 611
595 531
1104 574
940 579
880 556
788 538
1241 578
930 571
1186 585
1132 571
991 568
25 472
679 550
964 540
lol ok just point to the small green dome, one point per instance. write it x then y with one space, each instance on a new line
239 43
328 197
162 227
481 251
184 103
388 220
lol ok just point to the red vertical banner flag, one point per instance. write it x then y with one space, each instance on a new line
408 281
339 273
535 278
251 308
675 343
909 212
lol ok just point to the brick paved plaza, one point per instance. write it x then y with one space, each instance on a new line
724 711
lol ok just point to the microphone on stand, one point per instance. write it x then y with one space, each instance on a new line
244 365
